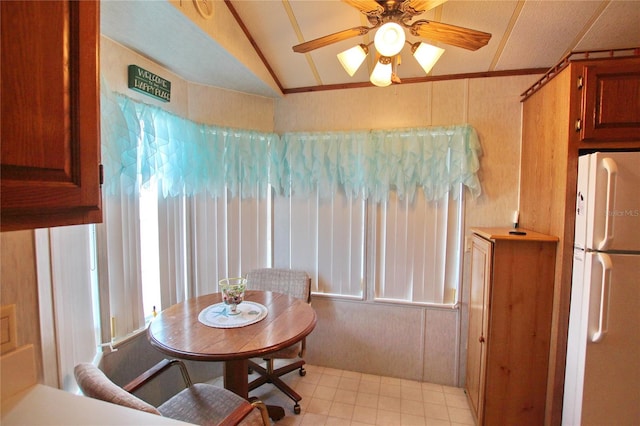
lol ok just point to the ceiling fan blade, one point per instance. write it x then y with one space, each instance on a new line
368 7
450 34
308 46
422 5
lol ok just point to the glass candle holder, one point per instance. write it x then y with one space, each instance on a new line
233 292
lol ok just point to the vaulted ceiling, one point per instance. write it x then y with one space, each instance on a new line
527 36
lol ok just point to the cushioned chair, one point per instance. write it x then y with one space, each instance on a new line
296 284
199 403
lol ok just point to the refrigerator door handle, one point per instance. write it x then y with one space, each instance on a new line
605 288
612 171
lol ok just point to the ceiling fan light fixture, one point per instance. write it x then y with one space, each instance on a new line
389 39
351 59
426 55
381 75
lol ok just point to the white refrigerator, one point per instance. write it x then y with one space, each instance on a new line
602 379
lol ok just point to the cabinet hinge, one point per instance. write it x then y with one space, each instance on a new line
578 125
101 174
580 83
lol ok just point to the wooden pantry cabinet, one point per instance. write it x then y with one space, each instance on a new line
50 131
509 325
585 105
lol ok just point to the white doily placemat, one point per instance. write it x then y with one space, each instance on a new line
219 316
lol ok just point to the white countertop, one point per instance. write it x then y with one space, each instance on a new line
44 405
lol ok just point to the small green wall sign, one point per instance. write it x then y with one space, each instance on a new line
149 83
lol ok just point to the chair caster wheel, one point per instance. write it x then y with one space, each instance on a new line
296 409
302 372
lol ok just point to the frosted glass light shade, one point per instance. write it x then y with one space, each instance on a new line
381 75
389 39
426 55
351 59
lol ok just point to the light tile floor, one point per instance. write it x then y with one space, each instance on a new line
346 398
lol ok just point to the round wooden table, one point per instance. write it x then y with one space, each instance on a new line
177 332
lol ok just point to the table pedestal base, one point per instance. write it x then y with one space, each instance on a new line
236 379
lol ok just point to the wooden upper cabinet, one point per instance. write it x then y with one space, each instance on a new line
50 137
610 102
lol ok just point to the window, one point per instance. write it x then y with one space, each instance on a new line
371 215
417 249
149 250
326 238
229 236
410 248
65 267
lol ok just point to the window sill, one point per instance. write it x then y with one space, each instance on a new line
383 301
116 343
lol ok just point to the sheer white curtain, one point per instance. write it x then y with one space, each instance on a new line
173 250
229 236
200 239
326 238
416 251
120 273
406 251
65 265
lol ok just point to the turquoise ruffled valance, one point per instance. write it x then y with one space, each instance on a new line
142 142
372 163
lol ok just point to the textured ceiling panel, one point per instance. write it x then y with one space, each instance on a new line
543 33
160 32
618 25
526 34
491 17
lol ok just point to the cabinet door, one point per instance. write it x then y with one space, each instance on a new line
50 162
611 101
481 259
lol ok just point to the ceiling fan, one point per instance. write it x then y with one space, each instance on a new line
379 12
